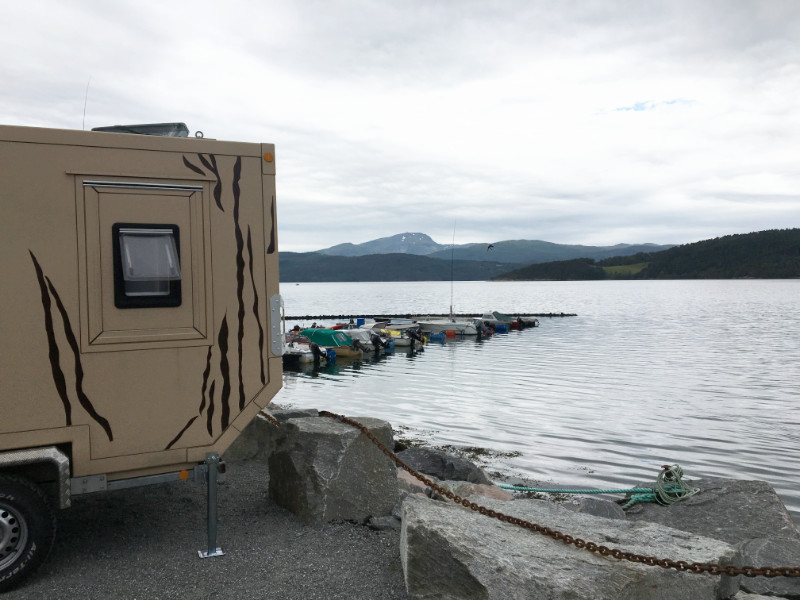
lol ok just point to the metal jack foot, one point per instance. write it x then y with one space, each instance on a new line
212 470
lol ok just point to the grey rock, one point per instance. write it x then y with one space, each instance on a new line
324 470
256 441
726 509
465 489
384 523
596 507
408 483
746 513
442 465
450 552
284 414
773 552
260 438
745 596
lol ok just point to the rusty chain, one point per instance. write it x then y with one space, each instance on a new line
665 563
269 417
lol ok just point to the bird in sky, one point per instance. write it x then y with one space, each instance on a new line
489 247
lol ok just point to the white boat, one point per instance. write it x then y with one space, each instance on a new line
297 349
469 327
405 339
370 339
394 325
495 318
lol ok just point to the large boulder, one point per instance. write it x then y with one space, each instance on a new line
451 552
325 470
731 510
441 465
260 438
745 513
773 552
256 441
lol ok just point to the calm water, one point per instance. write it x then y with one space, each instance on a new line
699 373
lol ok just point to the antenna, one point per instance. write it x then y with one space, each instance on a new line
452 252
85 101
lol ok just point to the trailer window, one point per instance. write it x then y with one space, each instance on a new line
147 270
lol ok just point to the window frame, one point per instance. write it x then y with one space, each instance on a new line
121 299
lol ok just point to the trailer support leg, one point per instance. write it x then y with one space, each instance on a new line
212 470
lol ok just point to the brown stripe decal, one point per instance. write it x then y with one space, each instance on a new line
210 414
205 381
210 163
224 367
271 247
202 401
73 343
177 437
237 173
255 306
58 374
194 168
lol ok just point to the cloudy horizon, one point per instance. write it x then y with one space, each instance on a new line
593 123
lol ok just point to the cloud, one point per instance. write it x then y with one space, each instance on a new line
587 123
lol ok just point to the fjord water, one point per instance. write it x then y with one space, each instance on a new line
699 373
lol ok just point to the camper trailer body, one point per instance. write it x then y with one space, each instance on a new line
139 306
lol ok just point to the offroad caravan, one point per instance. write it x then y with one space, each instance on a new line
140 316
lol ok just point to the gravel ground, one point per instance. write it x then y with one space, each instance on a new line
142 544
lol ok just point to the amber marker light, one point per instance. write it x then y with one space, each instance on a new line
184 474
268 156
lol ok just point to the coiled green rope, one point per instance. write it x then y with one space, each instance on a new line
669 488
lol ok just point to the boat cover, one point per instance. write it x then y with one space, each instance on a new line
328 338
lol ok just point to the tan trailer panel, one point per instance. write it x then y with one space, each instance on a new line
145 388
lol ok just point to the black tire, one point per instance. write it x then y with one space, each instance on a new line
27 529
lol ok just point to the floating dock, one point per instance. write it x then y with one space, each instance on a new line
413 317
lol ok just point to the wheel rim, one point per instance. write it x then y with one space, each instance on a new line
13 535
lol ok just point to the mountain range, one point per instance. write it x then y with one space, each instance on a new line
416 257
509 251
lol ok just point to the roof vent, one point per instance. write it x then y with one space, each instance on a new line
164 129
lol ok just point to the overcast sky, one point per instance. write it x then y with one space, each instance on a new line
571 122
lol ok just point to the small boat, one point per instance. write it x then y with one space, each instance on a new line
405 339
392 324
494 318
470 327
334 339
514 323
298 349
498 321
372 340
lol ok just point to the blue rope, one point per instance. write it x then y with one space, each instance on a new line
571 491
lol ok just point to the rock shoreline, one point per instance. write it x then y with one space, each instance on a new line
321 542
450 552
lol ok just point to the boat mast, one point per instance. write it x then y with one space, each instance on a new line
452 251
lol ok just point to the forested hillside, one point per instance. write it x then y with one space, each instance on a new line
312 266
528 252
773 254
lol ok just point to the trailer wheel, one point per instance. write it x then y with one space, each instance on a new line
27 529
